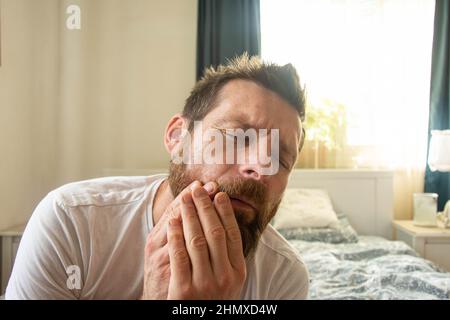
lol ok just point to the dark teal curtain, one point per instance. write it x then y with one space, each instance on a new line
439 182
226 28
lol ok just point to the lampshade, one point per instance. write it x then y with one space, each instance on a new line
439 151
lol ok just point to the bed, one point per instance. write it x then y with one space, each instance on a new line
360 260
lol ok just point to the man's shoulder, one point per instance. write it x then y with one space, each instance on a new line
104 191
274 244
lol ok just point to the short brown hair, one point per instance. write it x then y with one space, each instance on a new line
283 80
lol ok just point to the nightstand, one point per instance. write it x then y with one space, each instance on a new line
431 243
9 239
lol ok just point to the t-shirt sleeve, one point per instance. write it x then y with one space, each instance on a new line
46 264
293 283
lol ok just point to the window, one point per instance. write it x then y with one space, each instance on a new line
366 63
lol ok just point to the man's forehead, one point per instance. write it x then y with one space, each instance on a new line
245 90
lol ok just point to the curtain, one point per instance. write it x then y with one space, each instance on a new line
439 182
226 28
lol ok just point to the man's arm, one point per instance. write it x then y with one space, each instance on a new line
45 254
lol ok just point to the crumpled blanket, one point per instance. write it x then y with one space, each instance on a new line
372 268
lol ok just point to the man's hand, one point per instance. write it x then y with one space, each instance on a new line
156 265
205 250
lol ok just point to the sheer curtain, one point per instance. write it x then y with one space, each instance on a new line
366 67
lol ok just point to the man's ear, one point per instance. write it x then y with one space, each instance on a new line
173 135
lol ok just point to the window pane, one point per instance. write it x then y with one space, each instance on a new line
373 57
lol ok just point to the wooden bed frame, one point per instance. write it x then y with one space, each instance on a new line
364 196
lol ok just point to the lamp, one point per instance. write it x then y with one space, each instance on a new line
439 160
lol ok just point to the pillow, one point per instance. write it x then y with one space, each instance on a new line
343 233
303 208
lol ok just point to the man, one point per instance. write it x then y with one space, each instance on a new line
202 232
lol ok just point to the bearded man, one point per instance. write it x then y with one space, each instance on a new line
200 232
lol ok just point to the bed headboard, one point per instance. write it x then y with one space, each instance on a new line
365 196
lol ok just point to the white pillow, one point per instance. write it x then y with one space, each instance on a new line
303 208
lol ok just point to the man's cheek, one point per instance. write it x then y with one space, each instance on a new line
208 172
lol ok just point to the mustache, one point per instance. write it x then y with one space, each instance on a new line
249 189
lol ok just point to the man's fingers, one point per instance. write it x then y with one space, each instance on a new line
213 230
211 188
234 240
196 244
159 234
172 210
179 259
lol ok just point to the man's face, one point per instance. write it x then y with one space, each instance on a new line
255 196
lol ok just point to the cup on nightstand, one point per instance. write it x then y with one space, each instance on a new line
425 209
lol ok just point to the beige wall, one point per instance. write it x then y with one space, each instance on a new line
73 103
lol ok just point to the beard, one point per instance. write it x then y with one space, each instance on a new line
250 225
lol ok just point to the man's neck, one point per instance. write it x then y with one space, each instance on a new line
161 201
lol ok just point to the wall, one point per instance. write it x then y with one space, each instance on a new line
28 87
76 102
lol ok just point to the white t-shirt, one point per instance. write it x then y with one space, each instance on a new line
85 240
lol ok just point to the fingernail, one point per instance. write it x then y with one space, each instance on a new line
221 198
198 192
209 187
195 184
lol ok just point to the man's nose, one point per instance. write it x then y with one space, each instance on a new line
250 171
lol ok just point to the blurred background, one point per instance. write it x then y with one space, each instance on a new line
82 103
